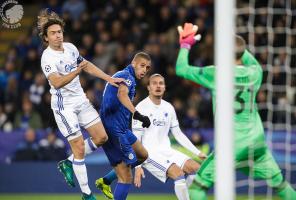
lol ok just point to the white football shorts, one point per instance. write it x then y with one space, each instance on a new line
71 118
159 162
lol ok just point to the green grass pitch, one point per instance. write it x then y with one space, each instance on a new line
78 197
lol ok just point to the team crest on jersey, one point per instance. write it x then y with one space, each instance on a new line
130 156
69 68
47 68
158 122
166 114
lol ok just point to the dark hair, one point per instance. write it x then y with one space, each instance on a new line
45 20
240 46
142 55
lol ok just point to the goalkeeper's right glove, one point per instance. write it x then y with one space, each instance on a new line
144 119
187 36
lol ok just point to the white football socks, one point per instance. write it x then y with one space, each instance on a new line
79 169
89 147
181 189
190 179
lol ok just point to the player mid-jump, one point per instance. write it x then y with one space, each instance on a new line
62 64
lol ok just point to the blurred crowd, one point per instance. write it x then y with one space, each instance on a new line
109 32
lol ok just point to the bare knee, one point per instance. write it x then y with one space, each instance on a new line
191 166
77 147
174 172
124 173
125 178
100 139
98 134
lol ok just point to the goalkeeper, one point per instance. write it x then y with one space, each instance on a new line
248 128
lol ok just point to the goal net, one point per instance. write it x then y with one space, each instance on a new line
269 26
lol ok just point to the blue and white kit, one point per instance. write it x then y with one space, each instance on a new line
70 105
156 138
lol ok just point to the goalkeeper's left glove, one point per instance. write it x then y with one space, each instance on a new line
187 36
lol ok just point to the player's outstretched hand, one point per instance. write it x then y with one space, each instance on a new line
81 66
187 35
139 174
202 156
115 81
142 118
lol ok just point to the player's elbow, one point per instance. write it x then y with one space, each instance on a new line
55 81
56 85
121 94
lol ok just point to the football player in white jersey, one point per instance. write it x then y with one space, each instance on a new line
164 162
62 64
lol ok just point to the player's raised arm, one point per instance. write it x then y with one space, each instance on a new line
95 71
201 75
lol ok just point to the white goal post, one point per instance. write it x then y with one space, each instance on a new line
224 62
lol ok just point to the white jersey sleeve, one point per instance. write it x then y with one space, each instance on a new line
174 119
137 128
179 135
48 65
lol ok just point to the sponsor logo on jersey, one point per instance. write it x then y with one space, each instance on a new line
158 122
69 68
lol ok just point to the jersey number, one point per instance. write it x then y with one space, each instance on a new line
241 101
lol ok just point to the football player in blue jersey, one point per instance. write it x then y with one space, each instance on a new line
116 112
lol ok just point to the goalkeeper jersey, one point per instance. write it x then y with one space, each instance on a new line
247 81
